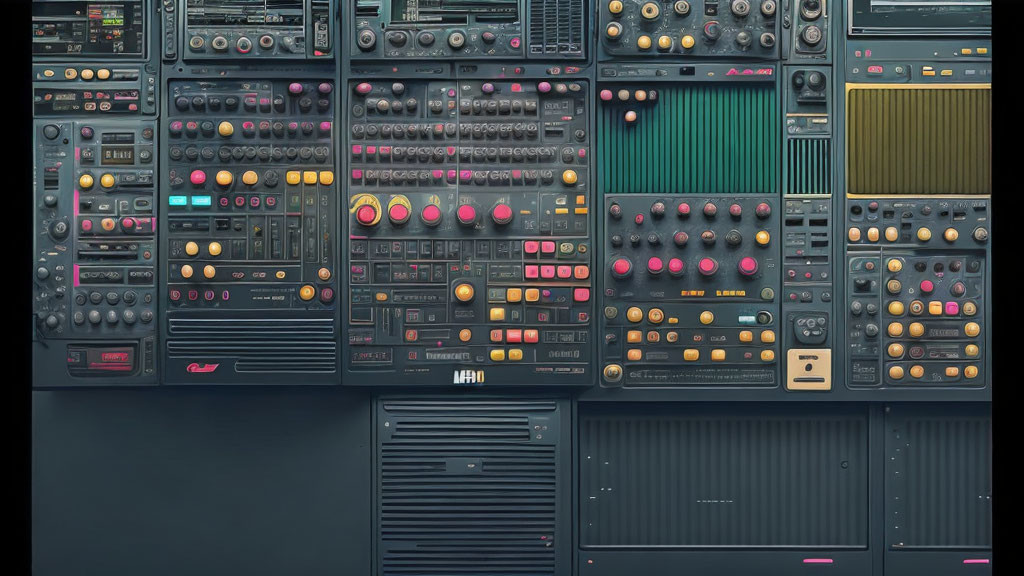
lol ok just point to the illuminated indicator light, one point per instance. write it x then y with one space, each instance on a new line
817 561
465 335
309 177
177 201
201 201
977 560
293 177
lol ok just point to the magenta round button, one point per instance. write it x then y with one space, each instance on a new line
431 215
683 209
675 266
198 177
366 214
621 268
466 215
398 214
544 87
655 265
502 214
707 266
927 287
363 88
748 266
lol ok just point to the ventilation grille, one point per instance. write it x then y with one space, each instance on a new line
678 478
258 345
694 139
809 166
367 8
919 140
466 489
556 27
939 482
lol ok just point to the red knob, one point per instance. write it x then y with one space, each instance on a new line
127 223
197 177
621 268
710 210
735 210
502 214
680 238
431 215
366 214
683 209
675 267
748 266
363 88
927 287
763 210
707 266
398 214
466 215
655 266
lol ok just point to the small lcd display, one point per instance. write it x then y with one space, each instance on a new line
118 155
88 28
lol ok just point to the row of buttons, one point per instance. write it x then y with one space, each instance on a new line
112 317
935 308
917 371
706 317
693 355
916 329
533 271
653 336
923 234
897 350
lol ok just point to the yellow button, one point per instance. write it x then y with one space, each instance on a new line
497 355
873 234
896 372
496 335
894 265
762 238
971 350
950 235
209 271
48 73
927 72
292 177
515 354
895 350
381 296
514 295
966 51
327 177
250 177
892 234
324 274
982 50
532 294
717 355
464 292
687 42
854 234
191 248
946 72
971 372
746 336
767 355
917 371
615 6
569 177
280 275
107 180
655 316
672 337
465 334
497 314
612 372
924 234
224 178
85 181
643 42
972 329
970 308
634 355
768 336
935 308
186 271
107 224
952 371
634 336
653 337
634 314
103 73
613 30
70 73
87 74
706 317
895 329
896 308
214 248
691 354
309 177
225 129
664 42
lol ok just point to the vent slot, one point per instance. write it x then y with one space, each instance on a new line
809 166
281 345
693 139
556 27
919 140
679 476
367 8
466 488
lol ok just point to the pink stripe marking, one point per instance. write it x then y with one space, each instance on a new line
75 269
976 561
817 561
76 202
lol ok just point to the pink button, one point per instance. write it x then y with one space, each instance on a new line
86 225
675 266
371 149
952 308
547 271
513 336
531 336
437 174
532 271
197 177
655 265
544 87
398 214
531 246
606 95
451 175
357 174
325 126
564 271
465 175
254 201
683 209
466 214
927 287
547 247
707 266
748 266
621 267
366 214
357 149
363 88
502 214
736 210
431 215
581 294
581 272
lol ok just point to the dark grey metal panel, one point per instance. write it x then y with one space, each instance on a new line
938 477
201 482
683 475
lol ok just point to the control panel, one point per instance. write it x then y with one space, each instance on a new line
722 29
492 29
95 253
250 249
469 239
284 29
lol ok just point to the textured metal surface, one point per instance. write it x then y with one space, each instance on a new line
468 487
697 139
938 478
809 166
919 140
708 476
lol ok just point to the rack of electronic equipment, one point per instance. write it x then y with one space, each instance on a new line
695 283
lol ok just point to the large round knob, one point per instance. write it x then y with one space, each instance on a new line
655 266
466 215
811 35
950 235
464 292
502 214
707 266
366 39
747 266
712 31
456 40
431 215
741 7
366 215
622 268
